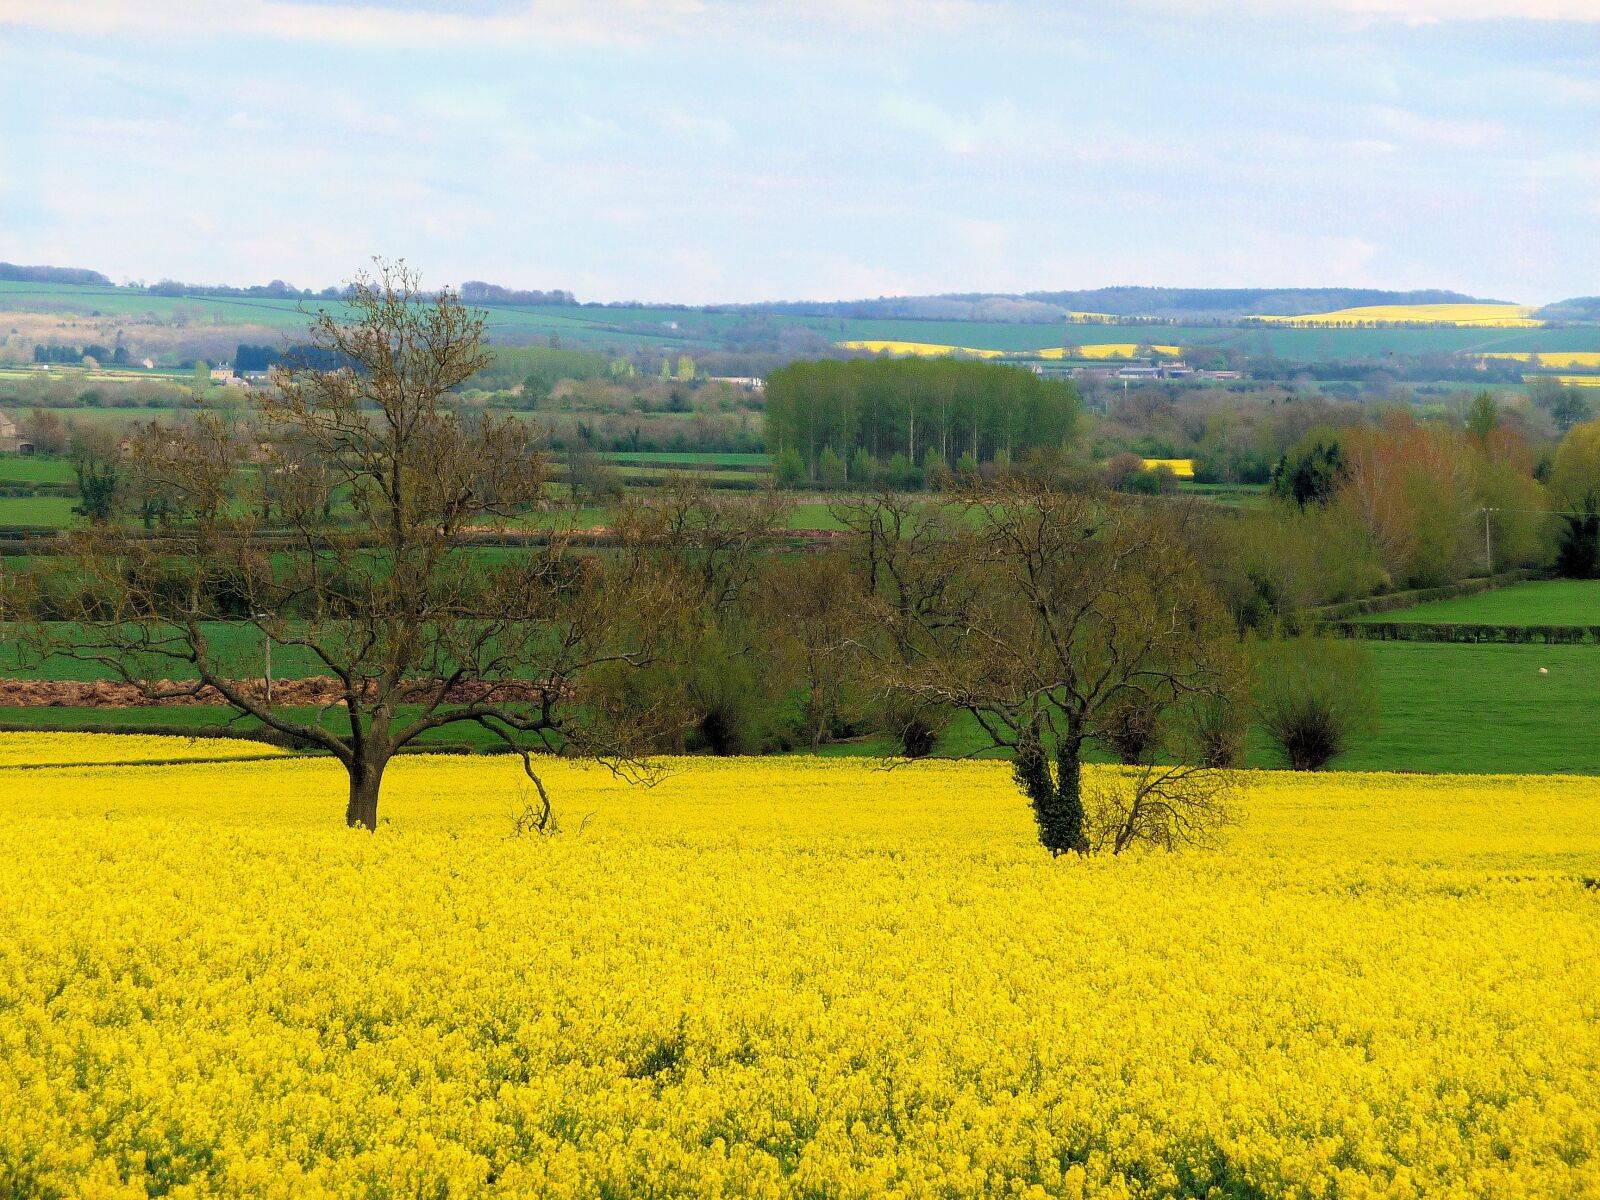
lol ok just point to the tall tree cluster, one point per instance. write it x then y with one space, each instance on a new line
949 408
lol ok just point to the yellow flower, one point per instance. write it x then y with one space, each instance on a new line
785 977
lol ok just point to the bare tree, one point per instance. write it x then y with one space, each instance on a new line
375 484
1056 620
707 549
901 553
809 619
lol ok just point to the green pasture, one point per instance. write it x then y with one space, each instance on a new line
1538 602
53 512
34 468
1443 708
1468 709
691 458
205 720
690 329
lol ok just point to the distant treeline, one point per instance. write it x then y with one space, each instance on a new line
1579 308
276 290
1229 302
76 354
918 408
12 273
1146 303
264 358
476 291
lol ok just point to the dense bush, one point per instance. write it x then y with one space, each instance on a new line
1314 696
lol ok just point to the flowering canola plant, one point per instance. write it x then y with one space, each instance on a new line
76 749
786 977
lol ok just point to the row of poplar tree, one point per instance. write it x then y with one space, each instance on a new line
957 410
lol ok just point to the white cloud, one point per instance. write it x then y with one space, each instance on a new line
1445 132
245 122
700 128
534 22
992 128
525 23
1413 11
1471 10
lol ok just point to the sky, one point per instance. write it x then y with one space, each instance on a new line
702 151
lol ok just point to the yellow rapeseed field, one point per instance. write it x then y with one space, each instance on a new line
935 350
1503 316
1549 358
1104 350
76 749
1183 468
786 978
925 349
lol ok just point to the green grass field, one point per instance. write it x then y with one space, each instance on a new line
46 511
691 458
1443 708
34 468
1538 602
207 720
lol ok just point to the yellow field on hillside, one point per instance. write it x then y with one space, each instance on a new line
1549 358
788 978
1183 468
1568 380
1503 316
1104 350
934 350
925 349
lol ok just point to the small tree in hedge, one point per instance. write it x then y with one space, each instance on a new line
1578 552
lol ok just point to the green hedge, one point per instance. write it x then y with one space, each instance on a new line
1417 631
1394 601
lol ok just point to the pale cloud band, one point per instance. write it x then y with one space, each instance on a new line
723 150
612 21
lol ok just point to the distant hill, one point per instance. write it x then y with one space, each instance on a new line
1153 303
1579 308
12 273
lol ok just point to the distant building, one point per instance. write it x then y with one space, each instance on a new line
750 383
221 374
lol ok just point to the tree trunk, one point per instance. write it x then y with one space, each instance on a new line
1057 802
1069 796
366 777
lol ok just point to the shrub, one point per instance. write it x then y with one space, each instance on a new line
1315 696
789 469
1133 728
915 726
1219 731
